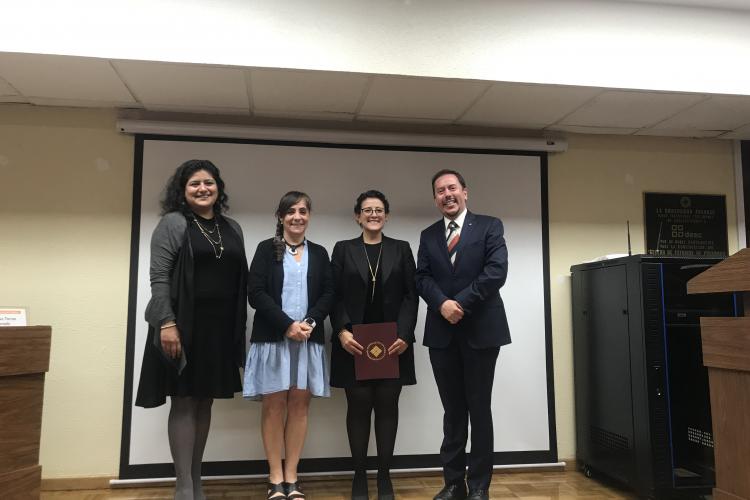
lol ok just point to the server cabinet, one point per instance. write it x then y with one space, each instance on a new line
643 413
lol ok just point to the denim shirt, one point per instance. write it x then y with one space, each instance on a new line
294 290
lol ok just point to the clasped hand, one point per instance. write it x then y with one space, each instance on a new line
355 348
299 331
452 311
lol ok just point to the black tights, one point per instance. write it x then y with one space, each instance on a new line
361 401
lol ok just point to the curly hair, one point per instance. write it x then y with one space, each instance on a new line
174 200
285 203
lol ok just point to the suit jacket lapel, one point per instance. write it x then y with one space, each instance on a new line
467 232
439 241
357 254
388 257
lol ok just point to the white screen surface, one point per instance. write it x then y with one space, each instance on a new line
508 186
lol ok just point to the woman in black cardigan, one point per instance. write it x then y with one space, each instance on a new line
374 277
291 288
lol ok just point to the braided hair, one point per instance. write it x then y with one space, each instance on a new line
285 203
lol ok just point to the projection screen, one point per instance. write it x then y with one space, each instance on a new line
508 184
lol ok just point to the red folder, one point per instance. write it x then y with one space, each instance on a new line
375 362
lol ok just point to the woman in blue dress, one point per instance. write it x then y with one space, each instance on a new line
290 286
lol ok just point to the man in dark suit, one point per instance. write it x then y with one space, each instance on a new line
462 262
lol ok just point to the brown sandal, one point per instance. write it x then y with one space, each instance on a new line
276 488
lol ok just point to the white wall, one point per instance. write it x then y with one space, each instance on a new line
572 42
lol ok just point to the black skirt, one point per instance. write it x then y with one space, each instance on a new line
211 371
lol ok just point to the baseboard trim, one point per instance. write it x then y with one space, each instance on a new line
76 483
108 482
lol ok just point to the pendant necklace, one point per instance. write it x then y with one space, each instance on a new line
218 245
292 249
374 274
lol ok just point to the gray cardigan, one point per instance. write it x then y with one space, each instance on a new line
165 245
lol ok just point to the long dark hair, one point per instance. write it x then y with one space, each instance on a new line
285 203
174 192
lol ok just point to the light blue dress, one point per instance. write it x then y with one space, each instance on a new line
277 366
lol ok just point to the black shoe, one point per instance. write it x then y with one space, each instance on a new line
274 490
293 491
385 487
478 495
452 492
359 486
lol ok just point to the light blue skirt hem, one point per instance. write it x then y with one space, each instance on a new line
278 366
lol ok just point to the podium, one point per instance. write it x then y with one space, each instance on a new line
726 354
24 359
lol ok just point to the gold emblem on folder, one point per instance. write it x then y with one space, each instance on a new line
375 351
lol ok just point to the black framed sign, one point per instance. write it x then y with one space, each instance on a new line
686 225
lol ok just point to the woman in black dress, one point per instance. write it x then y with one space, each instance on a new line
196 315
374 277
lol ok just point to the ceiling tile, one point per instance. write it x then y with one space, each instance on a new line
717 113
526 106
740 133
578 129
306 115
393 119
685 132
295 92
64 77
420 97
6 89
79 103
163 86
13 98
619 108
197 109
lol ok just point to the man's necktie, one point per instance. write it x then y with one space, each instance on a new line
452 240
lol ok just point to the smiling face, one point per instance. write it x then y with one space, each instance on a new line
201 193
295 221
450 196
372 215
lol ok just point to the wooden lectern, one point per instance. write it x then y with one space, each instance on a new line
726 354
24 359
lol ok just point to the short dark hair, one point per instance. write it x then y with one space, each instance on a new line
285 203
371 193
447 171
174 192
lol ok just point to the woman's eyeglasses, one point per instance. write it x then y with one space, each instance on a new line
370 211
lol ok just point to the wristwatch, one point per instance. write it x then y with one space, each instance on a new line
310 322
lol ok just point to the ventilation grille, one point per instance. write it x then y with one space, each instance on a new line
697 436
652 315
608 440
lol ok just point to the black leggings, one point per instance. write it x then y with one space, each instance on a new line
361 401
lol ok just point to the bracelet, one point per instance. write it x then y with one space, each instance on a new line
170 325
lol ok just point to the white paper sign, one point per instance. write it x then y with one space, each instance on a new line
12 316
